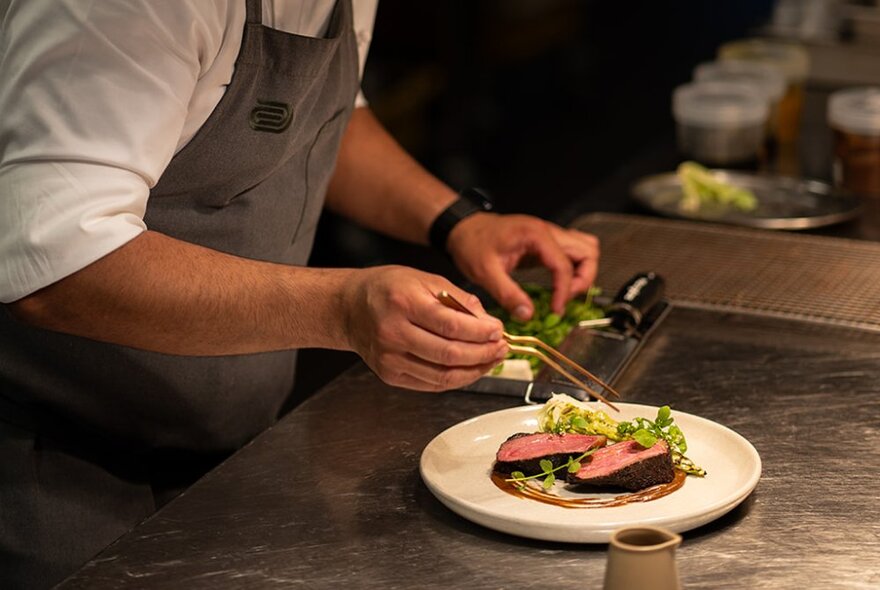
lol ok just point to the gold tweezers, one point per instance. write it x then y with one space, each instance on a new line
535 347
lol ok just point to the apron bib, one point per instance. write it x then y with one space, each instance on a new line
87 428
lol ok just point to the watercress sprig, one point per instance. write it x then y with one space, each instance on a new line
548 472
647 433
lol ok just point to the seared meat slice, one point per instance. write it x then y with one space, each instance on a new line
626 465
524 451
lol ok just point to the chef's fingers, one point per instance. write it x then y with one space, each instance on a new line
423 376
533 238
547 249
584 276
408 297
419 326
411 356
432 345
507 291
583 250
455 324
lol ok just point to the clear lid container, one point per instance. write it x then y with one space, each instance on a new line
719 104
790 58
855 110
761 76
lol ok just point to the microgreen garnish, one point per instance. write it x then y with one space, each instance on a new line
563 414
548 472
647 432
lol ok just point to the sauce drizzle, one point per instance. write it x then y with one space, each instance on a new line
538 493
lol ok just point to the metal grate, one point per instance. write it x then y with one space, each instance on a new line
711 266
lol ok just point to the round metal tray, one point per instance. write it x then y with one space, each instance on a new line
783 202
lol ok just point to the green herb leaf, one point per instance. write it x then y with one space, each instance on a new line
546 465
579 423
644 438
663 418
549 481
574 466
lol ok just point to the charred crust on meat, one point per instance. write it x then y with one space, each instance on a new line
643 469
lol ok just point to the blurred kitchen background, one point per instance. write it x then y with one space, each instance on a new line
558 106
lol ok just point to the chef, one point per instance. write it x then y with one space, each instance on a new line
163 165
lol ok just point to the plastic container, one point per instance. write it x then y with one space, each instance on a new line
792 61
720 123
764 78
854 117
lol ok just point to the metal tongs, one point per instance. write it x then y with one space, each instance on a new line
535 347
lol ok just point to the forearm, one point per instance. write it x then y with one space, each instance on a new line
161 294
381 187
378 185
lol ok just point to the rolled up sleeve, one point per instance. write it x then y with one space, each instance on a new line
94 97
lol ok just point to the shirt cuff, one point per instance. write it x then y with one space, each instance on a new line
57 218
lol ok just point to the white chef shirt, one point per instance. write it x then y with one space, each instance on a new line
96 97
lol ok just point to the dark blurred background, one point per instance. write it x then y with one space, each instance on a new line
542 102
558 106
535 100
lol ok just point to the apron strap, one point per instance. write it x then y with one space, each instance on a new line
255 12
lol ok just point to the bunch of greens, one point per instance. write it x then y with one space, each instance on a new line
549 327
701 188
563 413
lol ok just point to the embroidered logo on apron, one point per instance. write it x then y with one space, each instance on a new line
270 116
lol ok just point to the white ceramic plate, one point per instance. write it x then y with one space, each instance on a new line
456 466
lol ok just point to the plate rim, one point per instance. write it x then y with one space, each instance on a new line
486 517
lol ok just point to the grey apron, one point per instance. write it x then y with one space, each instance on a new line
92 434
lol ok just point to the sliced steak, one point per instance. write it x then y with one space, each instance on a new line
626 465
524 451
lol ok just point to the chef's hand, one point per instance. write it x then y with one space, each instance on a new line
487 247
410 339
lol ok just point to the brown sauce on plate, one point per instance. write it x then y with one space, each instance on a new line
539 494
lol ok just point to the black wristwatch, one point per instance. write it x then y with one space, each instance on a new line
470 201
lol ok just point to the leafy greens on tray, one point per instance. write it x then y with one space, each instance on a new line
549 327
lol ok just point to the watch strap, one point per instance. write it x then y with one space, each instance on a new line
469 201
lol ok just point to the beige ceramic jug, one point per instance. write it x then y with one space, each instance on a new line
642 557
